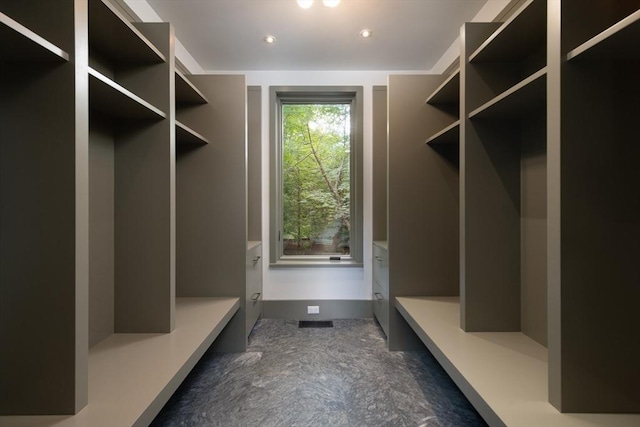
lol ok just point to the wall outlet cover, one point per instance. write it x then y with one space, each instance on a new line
313 309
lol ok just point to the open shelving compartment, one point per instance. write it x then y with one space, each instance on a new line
43 210
446 98
423 222
594 214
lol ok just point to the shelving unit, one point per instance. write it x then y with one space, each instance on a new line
211 236
594 215
446 98
422 224
132 275
43 209
503 162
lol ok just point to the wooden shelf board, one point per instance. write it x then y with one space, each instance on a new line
525 96
112 35
503 374
524 32
448 92
132 376
186 135
620 41
109 97
448 135
186 92
18 43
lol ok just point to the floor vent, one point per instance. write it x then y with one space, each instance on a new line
315 324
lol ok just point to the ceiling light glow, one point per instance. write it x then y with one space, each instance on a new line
269 39
365 34
331 3
305 4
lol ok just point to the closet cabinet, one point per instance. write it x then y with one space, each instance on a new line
123 215
381 284
548 213
254 206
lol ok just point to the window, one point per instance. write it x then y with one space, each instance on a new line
316 176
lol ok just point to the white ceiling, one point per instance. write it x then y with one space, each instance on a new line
226 35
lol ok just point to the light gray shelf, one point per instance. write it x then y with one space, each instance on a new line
18 43
527 95
107 96
132 376
448 92
503 374
620 41
448 135
518 37
114 37
186 92
186 135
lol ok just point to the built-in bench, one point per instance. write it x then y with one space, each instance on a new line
503 374
131 376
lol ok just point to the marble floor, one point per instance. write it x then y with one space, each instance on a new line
340 376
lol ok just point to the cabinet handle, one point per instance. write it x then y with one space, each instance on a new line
379 296
379 259
256 259
255 296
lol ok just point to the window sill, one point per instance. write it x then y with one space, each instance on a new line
311 263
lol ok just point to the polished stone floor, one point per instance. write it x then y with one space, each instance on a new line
340 376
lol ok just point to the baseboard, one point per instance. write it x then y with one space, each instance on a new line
329 309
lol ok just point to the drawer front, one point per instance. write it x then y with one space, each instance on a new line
381 269
254 287
381 308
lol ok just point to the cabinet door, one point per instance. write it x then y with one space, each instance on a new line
381 307
254 286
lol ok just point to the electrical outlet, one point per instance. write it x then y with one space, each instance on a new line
313 309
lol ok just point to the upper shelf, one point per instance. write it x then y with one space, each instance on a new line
620 41
112 35
109 97
448 92
518 37
186 92
448 135
186 135
18 43
527 95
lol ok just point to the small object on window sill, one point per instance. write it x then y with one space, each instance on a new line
334 258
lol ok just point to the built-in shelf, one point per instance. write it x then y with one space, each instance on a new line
503 374
518 37
448 135
448 92
113 36
620 41
527 95
132 376
186 92
186 135
18 43
109 97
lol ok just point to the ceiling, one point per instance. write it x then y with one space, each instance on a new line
226 35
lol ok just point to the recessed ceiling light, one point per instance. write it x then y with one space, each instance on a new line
365 34
269 39
305 4
331 3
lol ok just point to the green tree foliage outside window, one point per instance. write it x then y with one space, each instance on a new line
316 178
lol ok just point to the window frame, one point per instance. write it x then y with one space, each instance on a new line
279 95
